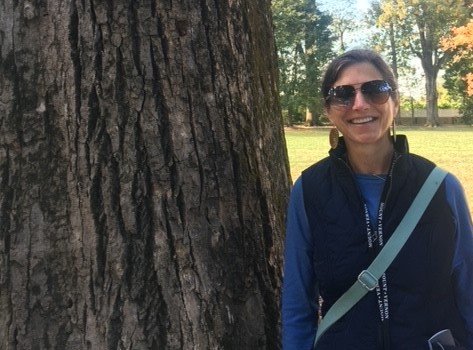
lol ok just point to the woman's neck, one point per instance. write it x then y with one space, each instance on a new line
371 159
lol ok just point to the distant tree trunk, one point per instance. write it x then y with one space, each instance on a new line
143 175
314 116
292 114
393 46
431 60
432 99
308 117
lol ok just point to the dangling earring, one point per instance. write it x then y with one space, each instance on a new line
333 137
393 127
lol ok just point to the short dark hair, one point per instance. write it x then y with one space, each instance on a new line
349 58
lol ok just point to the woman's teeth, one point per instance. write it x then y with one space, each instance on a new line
361 120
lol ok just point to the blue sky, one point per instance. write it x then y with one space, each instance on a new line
354 12
361 5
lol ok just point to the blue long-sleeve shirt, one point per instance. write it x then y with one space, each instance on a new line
300 298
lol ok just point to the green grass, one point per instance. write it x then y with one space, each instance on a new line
449 147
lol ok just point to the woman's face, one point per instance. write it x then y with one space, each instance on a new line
363 122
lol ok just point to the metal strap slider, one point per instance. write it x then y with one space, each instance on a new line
368 280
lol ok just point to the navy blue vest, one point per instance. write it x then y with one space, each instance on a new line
420 292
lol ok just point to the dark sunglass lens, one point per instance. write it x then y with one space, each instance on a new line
342 95
377 91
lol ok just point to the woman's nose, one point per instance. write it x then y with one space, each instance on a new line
360 101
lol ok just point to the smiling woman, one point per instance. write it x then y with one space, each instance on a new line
345 207
361 100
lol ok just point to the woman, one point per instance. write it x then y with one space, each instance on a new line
344 208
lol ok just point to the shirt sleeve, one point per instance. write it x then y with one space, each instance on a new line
299 293
462 268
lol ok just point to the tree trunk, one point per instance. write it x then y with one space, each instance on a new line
431 63
431 69
432 99
308 117
394 65
143 175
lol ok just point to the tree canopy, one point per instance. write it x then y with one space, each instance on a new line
461 43
304 46
420 26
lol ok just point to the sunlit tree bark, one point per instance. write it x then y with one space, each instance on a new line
143 175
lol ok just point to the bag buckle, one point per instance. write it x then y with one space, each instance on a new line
368 280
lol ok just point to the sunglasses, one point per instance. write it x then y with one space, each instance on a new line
343 96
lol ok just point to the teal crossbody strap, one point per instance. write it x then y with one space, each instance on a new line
368 279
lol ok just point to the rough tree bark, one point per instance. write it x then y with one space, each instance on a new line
143 175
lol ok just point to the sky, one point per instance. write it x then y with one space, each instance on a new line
353 10
361 5
354 40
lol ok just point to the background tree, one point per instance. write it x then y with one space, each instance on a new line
458 76
143 175
428 22
388 37
318 51
341 25
289 23
304 47
461 43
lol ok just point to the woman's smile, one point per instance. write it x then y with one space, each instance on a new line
363 120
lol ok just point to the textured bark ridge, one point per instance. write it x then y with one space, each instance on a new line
143 175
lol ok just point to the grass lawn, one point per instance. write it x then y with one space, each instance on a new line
450 147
